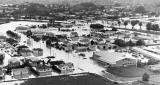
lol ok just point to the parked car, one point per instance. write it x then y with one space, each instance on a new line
82 54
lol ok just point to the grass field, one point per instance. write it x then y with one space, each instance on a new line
129 72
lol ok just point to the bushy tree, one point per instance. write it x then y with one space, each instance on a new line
140 42
120 42
96 26
114 29
119 23
155 27
140 24
29 33
149 26
145 77
125 23
140 9
130 43
134 22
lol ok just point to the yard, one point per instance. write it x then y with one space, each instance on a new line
129 72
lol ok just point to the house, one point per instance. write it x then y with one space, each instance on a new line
3 38
20 73
114 59
26 53
92 47
142 83
84 41
108 34
13 62
66 68
67 46
81 49
44 70
38 52
73 34
34 61
107 46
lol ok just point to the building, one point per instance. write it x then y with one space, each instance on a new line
142 83
44 70
34 61
67 46
66 68
107 46
114 59
38 52
85 41
13 62
3 38
92 47
73 34
81 49
20 73
26 53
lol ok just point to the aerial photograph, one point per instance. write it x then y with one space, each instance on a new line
79 42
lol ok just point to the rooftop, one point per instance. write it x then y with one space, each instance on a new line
74 79
111 57
20 69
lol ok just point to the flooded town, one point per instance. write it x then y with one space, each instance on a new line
79 42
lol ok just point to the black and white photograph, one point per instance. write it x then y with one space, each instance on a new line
79 42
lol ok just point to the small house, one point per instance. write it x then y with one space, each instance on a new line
67 46
20 73
81 49
38 52
34 61
3 38
66 68
26 53
92 47
44 70
13 62
107 46
85 41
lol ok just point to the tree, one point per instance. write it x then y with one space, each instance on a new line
152 62
114 29
155 27
119 23
120 42
134 22
145 77
125 23
96 26
130 43
140 24
140 42
140 9
29 33
92 42
1 58
117 5
149 26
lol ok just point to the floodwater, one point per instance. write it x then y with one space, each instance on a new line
86 65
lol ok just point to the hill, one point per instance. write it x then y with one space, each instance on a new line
84 6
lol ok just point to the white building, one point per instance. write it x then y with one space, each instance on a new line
114 59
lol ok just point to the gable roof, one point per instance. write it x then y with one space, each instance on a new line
110 57
43 67
20 69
